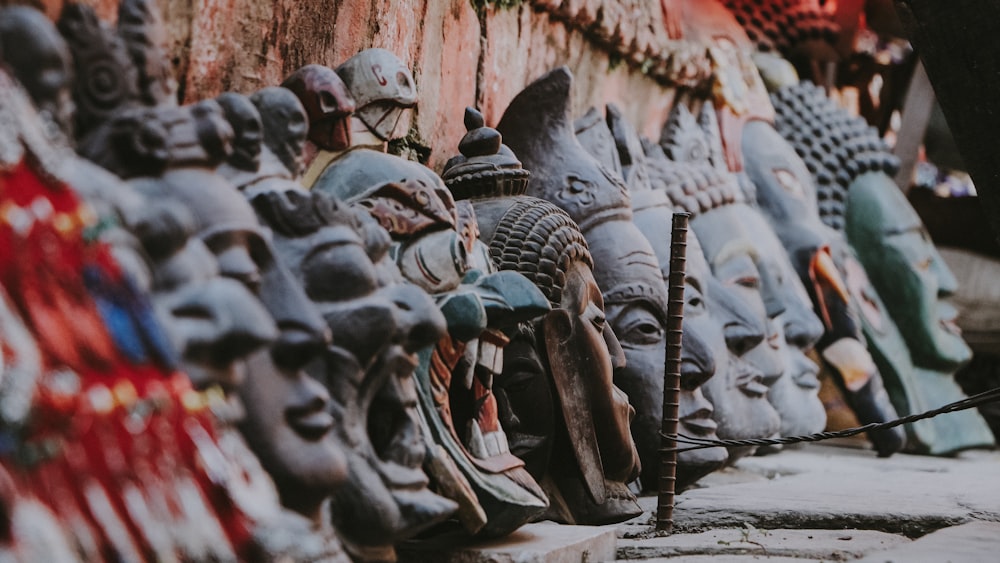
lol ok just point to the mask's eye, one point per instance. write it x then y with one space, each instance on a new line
741 271
646 332
600 321
749 282
520 375
327 101
789 182
636 325
694 303
924 265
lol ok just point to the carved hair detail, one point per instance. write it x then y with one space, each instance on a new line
540 241
106 78
687 139
780 25
644 35
692 187
836 146
140 26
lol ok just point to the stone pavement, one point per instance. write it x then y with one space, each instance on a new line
818 503
823 503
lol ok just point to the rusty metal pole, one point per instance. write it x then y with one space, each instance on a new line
672 374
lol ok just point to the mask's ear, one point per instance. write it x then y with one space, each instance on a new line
566 364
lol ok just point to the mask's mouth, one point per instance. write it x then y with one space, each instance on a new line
522 444
310 424
807 376
950 327
382 118
310 419
393 429
227 376
338 128
700 423
485 445
618 491
947 315
750 381
481 361
696 415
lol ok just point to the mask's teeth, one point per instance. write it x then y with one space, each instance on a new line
484 446
490 357
496 442
475 441
470 357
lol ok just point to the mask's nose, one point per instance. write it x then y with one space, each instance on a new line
697 359
303 334
614 349
419 321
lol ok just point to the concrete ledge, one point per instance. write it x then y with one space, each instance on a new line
534 543
835 545
972 543
731 559
824 488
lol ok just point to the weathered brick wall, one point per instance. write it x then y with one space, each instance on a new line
462 52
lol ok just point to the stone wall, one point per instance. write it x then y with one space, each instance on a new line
462 52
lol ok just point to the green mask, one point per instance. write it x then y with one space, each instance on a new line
908 273
906 270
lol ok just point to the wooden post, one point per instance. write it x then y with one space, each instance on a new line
957 42
672 374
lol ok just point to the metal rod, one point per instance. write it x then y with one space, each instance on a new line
672 374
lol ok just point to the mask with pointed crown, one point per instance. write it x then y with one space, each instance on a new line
538 127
